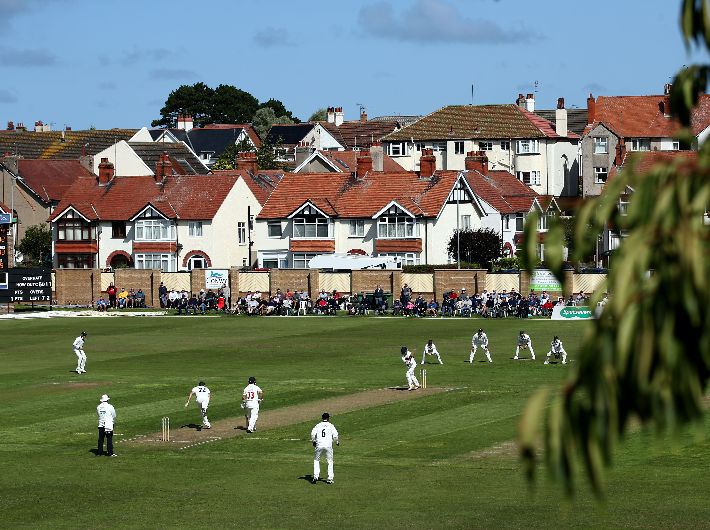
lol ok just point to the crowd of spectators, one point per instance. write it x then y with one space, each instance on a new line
120 299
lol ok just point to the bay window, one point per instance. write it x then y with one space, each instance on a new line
71 227
163 262
397 227
310 227
301 259
154 230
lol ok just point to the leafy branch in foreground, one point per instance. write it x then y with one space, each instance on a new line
648 355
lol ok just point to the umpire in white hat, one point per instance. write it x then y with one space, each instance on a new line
107 419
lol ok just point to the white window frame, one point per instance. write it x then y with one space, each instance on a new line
465 222
299 260
154 230
519 222
397 227
270 229
311 228
356 228
419 146
150 259
242 232
194 228
676 145
528 147
601 145
459 147
600 174
406 258
505 145
640 144
198 261
623 206
397 148
485 145
506 222
530 178
439 147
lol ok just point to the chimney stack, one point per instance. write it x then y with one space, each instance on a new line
339 116
520 102
364 164
331 115
591 109
247 161
163 168
477 161
667 89
620 152
530 103
561 117
184 121
106 172
10 126
377 153
427 163
363 115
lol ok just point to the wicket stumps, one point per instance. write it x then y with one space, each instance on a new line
422 374
166 429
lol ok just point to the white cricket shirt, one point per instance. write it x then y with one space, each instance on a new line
251 395
324 434
107 415
79 342
202 394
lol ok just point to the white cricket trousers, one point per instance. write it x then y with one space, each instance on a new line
328 458
436 352
412 380
551 353
203 411
474 347
518 347
252 414
80 360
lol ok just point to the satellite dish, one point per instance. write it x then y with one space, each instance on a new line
19 257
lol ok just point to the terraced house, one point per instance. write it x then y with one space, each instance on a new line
541 155
405 214
168 220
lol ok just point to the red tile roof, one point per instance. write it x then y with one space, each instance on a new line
261 184
312 245
50 179
644 161
646 116
195 197
66 145
398 245
346 161
502 190
341 195
356 133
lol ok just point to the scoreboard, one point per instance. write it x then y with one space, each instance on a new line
25 285
4 247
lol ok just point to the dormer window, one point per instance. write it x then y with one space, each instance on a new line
152 226
394 223
310 223
72 227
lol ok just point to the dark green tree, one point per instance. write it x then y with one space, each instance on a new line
195 100
36 246
269 155
264 118
480 246
279 109
232 105
647 357
229 155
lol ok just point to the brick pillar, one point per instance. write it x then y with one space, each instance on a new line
234 283
197 280
568 276
314 282
524 286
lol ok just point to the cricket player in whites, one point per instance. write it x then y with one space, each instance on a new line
524 341
430 349
557 350
202 398
79 352
251 397
411 364
323 435
479 340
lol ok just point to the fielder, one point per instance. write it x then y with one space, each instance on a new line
524 341
430 349
479 340
79 352
323 435
202 398
107 418
557 350
251 397
411 364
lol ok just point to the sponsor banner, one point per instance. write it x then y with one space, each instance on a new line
5 218
4 247
544 280
26 285
562 312
215 278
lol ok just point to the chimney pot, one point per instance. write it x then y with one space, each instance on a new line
591 109
106 172
247 161
427 163
364 164
163 168
477 161
560 103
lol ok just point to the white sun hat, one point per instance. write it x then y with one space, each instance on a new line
105 398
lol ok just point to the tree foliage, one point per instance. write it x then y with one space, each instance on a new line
224 104
474 246
36 246
264 118
648 355
229 155
267 156
319 115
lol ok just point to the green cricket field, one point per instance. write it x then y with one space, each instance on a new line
444 457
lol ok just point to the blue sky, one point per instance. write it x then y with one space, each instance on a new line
110 63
